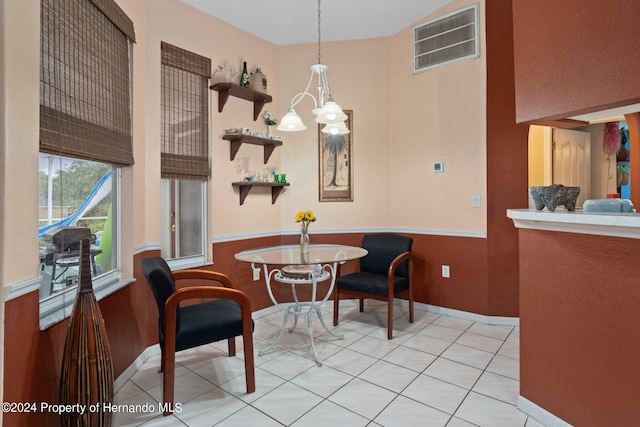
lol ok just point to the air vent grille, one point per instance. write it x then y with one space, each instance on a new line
446 39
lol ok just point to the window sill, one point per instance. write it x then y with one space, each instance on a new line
187 262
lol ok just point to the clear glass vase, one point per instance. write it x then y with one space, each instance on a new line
304 247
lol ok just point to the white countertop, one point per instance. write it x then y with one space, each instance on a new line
578 221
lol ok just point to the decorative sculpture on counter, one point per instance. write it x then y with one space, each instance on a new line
554 195
87 371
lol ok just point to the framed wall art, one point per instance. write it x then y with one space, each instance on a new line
336 164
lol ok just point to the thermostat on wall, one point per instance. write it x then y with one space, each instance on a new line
438 167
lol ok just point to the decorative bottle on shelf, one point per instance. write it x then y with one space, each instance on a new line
244 77
259 81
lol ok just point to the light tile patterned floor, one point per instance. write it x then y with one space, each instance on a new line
439 371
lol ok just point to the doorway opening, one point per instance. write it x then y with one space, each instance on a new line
576 158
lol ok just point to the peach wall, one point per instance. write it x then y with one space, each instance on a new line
366 76
359 76
20 132
135 227
19 100
183 26
402 124
536 155
438 115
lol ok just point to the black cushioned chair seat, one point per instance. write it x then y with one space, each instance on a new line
372 283
196 320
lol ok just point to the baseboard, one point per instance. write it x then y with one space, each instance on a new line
146 354
540 414
474 317
264 312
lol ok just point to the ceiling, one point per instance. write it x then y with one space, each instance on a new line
612 115
284 22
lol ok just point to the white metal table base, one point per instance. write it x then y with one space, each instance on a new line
301 308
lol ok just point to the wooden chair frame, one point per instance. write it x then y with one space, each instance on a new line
198 292
388 298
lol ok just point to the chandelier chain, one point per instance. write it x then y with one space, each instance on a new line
319 62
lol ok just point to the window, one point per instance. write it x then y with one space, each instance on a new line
183 221
184 152
85 138
446 39
77 200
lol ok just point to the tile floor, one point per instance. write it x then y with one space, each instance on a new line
438 371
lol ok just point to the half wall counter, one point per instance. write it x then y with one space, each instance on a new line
579 326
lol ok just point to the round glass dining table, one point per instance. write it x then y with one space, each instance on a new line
288 264
291 255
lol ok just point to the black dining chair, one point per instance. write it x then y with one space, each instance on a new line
187 326
384 272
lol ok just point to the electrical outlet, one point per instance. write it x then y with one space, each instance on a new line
475 201
256 274
446 271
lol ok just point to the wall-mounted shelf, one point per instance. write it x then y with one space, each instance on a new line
245 186
231 89
238 139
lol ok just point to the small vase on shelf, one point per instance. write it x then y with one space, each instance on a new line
269 131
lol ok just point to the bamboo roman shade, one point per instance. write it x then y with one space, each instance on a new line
185 114
85 84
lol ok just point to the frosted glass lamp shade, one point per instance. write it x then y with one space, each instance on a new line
335 128
331 113
291 122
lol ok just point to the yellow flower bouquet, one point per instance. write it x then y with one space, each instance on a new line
304 218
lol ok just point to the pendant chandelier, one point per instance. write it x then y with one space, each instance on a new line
326 110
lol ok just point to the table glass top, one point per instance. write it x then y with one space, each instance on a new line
290 254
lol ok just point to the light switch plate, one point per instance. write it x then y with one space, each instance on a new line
446 272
